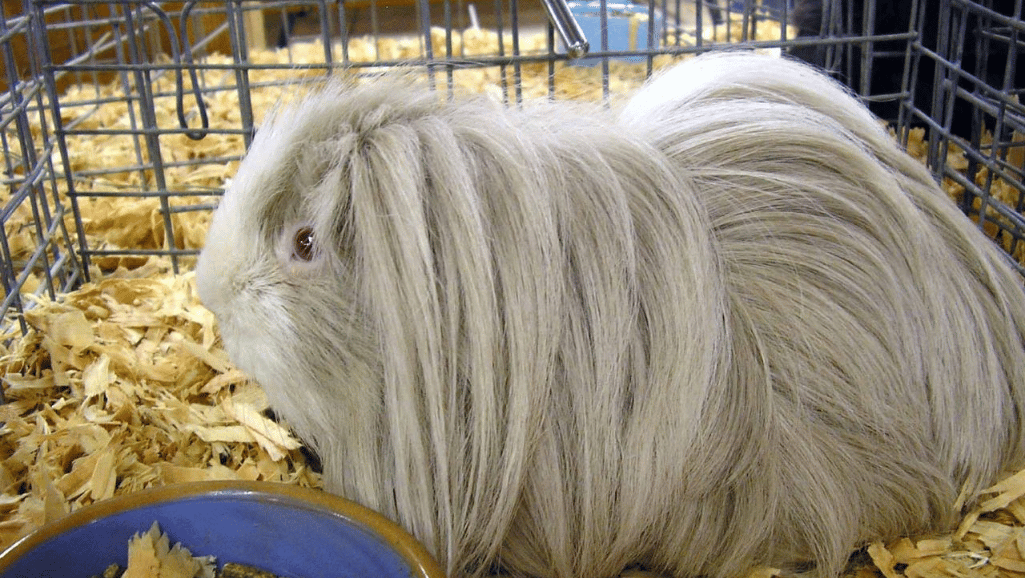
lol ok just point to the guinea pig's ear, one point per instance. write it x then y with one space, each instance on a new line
314 160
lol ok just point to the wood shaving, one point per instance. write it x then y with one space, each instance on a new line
123 384
150 555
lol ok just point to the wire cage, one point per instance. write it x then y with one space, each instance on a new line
123 121
35 245
966 89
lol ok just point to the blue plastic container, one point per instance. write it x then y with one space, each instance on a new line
628 29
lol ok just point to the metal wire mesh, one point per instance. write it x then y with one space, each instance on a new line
967 85
36 253
110 104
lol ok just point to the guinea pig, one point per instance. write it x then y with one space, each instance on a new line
729 324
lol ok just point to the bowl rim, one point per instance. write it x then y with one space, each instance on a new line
420 561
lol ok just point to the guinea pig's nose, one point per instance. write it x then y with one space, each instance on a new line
219 259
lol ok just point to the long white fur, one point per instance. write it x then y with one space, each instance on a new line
733 326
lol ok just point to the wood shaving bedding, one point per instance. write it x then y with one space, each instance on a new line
120 386
123 384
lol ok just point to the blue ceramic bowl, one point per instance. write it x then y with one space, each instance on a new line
286 530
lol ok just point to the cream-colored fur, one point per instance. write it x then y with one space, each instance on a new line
734 325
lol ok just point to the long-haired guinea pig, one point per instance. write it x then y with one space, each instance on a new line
731 324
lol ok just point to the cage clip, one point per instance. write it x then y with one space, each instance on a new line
186 61
183 59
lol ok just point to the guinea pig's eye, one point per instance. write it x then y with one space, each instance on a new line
303 244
